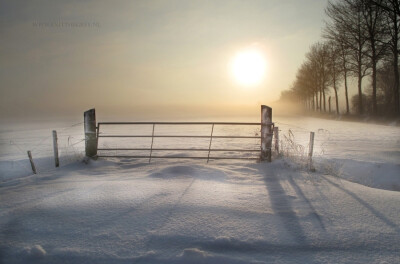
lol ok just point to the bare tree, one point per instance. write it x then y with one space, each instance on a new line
362 39
318 57
385 81
335 67
347 18
376 41
312 79
334 33
306 83
391 11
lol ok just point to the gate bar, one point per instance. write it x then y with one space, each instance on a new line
152 140
173 157
175 136
171 149
184 123
209 146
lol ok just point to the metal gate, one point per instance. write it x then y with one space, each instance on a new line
93 135
153 135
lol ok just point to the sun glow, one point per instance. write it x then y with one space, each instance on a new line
248 67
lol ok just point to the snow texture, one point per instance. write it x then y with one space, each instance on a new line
184 211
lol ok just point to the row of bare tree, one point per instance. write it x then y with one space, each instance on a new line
360 38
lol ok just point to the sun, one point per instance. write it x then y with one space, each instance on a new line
248 67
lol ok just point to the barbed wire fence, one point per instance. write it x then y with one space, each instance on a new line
294 144
14 158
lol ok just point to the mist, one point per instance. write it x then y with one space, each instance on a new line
153 59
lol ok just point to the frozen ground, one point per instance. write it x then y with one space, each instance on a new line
130 211
124 211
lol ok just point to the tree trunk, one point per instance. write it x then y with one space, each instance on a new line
329 105
396 59
335 89
337 100
323 91
346 93
396 85
320 99
313 103
360 102
395 40
374 103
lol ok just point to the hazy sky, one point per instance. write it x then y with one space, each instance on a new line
137 56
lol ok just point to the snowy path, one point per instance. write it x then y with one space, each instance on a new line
178 212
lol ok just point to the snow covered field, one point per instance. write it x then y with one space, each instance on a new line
185 211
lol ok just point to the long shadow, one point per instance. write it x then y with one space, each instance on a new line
300 193
366 205
170 212
282 206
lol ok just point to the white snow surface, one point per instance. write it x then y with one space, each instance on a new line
125 211
184 211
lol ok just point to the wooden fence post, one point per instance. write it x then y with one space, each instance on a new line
31 161
310 150
276 134
266 132
55 147
90 133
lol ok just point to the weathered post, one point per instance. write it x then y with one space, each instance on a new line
310 150
90 133
31 161
276 135
55 147
266 132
